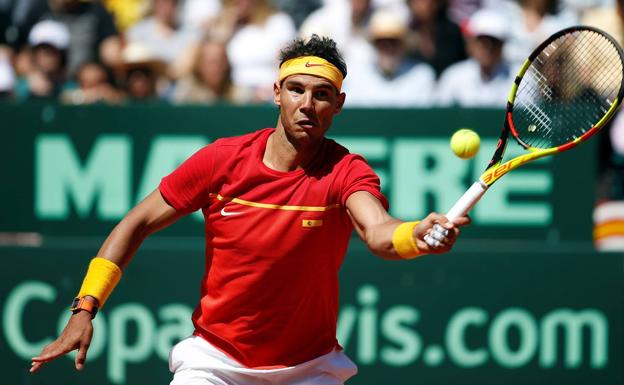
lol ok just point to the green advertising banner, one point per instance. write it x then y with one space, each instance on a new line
509 316
522 299
75 171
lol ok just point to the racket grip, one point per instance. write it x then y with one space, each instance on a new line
467 201
460 208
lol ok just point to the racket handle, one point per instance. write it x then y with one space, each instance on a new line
467 201
460 208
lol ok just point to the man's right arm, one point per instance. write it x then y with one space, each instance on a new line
149 216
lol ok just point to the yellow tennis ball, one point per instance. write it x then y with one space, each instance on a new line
465 143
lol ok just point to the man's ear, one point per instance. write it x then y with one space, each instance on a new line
340 102
277 94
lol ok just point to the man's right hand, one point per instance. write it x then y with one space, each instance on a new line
76 335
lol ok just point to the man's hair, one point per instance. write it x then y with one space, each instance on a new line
322 47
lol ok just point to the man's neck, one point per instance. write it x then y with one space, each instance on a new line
283 153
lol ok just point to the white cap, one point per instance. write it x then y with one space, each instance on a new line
387 24
50 32
487 22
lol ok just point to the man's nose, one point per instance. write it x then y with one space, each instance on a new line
307 102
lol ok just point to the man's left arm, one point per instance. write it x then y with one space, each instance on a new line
392 238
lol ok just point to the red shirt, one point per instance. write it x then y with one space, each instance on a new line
274 244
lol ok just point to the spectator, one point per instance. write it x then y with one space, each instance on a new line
254 32
484 79
343 21
94 35
198 14
22 62
7 77
347 23
94 86
211 81
165 38
392 79
434 38
46 76
530 22
141 73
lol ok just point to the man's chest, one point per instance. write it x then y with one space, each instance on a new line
264 209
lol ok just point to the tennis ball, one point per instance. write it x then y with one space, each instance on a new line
465 143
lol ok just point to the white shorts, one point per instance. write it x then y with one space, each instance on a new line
194 361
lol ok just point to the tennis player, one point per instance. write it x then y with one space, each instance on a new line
280 205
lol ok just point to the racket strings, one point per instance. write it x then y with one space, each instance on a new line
568 88
582 62
601 89
564 70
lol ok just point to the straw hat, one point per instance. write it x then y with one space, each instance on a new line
137 55
387 24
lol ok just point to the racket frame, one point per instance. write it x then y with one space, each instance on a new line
496 169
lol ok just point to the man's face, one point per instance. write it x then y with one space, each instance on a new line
307 106
487 51
245 8
541 6
359 8
424 10
47 58
141 83
390 54
165 10
91 76
213 66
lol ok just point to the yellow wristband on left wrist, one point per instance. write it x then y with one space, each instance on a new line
403 240
100 280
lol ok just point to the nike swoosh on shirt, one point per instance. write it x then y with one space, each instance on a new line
228 213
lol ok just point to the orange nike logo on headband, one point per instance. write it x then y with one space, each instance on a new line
308 64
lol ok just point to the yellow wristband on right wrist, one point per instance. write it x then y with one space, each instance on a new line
404 242
100 280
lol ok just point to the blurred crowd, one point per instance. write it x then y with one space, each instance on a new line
400 53
408 53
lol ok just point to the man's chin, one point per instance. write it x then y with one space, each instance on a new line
304 137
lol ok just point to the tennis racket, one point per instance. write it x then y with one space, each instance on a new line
565 92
